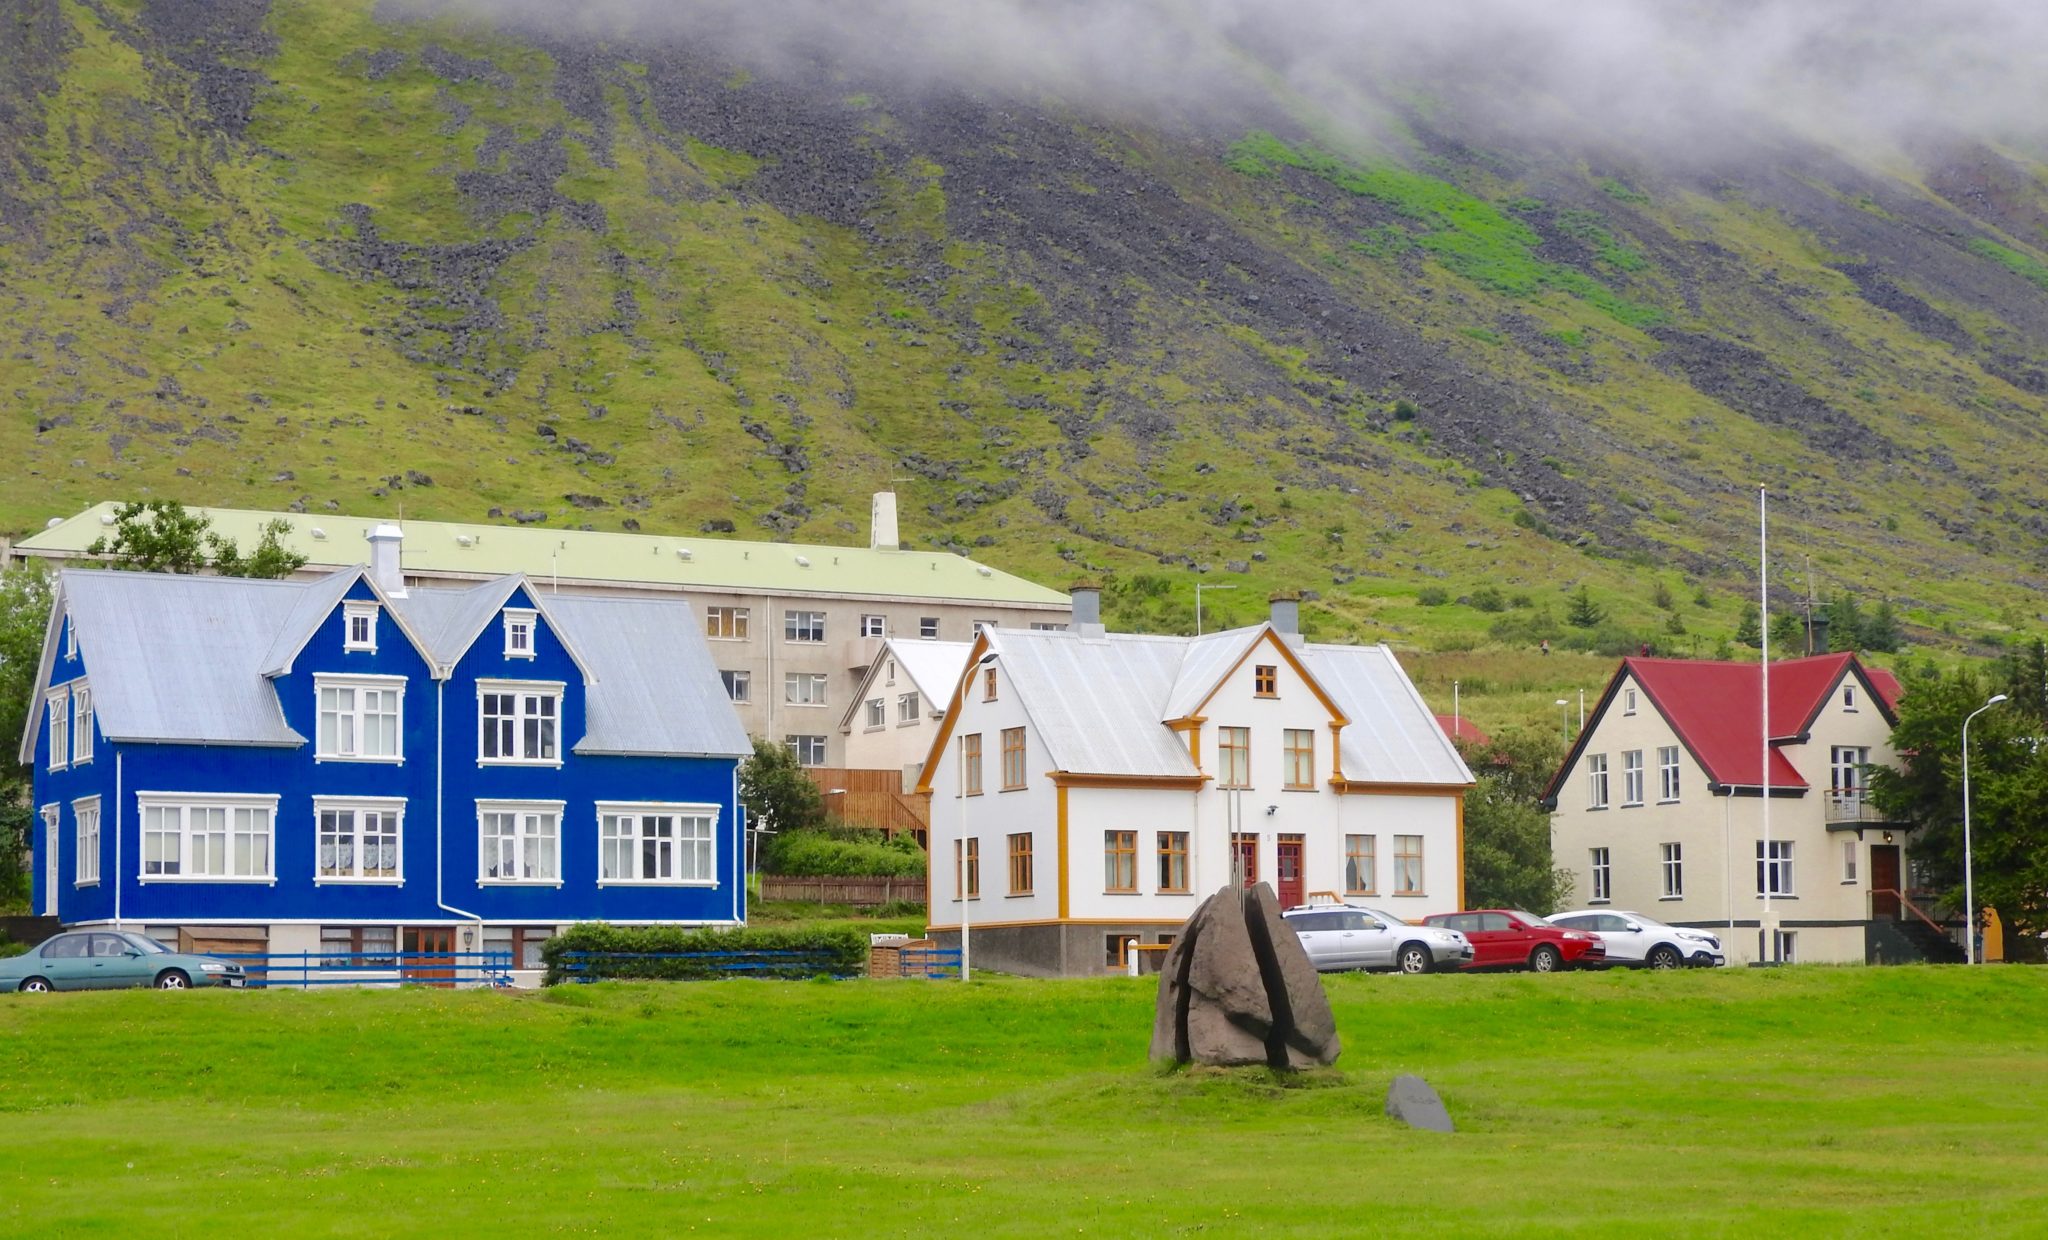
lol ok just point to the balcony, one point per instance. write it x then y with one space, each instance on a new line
1853 809
858 654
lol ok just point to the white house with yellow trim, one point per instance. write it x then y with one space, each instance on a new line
1091 787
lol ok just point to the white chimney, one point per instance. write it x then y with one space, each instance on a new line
385 541
882 522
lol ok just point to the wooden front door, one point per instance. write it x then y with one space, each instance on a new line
431 950
1287 871
1244 853
1884 880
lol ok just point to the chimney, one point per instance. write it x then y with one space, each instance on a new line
882 522
1816 634
385 541
1286 617
1087 598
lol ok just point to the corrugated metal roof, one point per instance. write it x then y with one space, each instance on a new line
486 550
934 667
1392 737
448 621
1099 703
316 602
177 658
656 690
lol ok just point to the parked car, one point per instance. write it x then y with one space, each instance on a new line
1644 942
1511 938
108 960
1347 936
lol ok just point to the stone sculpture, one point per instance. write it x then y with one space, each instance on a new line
1237 989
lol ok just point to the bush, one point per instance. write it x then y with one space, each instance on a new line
1432 596
1487 598
842 854
835 950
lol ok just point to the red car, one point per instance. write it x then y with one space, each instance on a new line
1510 938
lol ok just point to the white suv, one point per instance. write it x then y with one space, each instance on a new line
1643 942
1346 936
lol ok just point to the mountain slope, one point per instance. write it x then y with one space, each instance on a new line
328 256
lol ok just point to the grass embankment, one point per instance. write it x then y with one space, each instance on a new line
1903 1101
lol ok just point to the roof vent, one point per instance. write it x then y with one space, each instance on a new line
106 518
319 535
803 561
683 553
53 523
465 540
984 570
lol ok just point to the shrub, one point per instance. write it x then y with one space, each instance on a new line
1432 596
837 949
1487 598
842 854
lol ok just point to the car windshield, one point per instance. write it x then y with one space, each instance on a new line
1526 916
146 945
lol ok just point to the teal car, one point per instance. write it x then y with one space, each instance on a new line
109 960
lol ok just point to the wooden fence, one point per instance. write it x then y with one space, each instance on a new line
869 798
859 892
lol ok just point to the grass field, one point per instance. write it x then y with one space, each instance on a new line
1804 1101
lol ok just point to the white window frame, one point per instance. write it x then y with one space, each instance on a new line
872 625
804 688
1631 777
1668 786
358 685
526 813
182 804
727 624
1673 870
1603 876
1596 781
739 684
1786 945
59 701
357 806
1776 869
1850 870
613 815
518 621
85 815
797 625
1406 884
791 740
909 709
81 723
928 628
522 691
70 638
350 613
1849 699
1628 701
877 714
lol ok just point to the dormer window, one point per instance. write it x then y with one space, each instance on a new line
519 634
1266 680
359 627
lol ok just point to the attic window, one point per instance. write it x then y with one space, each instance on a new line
359 627
518 634
1266 680
1628 703
70 638
1849 697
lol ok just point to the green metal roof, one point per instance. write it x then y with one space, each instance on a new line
486 550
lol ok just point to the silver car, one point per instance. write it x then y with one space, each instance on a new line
1644 942
1346 936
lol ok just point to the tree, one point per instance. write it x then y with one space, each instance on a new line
1584 613
24 620
1881 630
1661 595
778 795
2008 790
1507 833
162 536
1749 631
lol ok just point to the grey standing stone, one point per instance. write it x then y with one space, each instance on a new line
1236 989
1413 1102
1309 1032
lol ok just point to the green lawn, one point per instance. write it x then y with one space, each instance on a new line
1807 1101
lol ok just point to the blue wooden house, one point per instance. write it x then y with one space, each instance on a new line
343 764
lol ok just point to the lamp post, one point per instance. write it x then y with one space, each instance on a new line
1969 874
1564 716
1199 587
966 859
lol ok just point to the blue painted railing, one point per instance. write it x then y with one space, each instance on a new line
932 963
701 966
309 969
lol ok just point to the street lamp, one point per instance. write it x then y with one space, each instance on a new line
1564 715
1969 874
966 859
1199 587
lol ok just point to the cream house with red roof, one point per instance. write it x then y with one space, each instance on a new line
1658 807
1089 788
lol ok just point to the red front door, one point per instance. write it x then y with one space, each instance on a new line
1244 852
1287 871
1884 880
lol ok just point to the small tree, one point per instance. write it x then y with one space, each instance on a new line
1507 833
778 795
1749 631
24 619
1661 595
162 536
1584 613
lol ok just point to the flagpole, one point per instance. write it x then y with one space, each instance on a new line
1768 947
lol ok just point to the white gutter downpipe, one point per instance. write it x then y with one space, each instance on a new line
1766 928
119 876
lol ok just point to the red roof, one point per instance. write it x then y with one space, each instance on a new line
1462 731
1714 707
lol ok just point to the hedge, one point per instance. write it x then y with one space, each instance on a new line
838 950
821 854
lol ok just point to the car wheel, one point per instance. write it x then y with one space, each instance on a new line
1545 959
37 985
1665 956
173 979
1413 958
